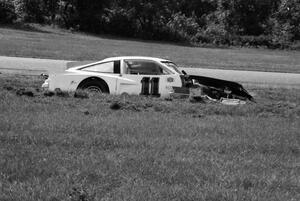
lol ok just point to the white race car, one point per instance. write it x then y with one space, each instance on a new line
138 76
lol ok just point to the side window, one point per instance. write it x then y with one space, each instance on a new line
143 67
101 68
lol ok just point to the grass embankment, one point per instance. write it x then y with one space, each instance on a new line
45 42
63 148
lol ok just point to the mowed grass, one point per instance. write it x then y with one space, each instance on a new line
65 148
46 42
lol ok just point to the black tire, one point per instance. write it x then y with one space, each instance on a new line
94 86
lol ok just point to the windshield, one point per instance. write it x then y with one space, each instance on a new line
172 65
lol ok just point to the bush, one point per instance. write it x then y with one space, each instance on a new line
214 33
181 27
255 41
30 10
217 38
118 21
287 20
261 41
7 12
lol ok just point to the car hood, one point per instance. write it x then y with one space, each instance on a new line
222 85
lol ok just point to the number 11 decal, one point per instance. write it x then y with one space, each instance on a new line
150 86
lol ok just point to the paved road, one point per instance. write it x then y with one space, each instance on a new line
30 65
265 79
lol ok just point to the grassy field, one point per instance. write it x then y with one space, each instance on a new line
65 148
45 42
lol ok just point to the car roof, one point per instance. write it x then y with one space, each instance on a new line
122 58
134 57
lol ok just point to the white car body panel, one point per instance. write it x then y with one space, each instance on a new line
69 81
118 83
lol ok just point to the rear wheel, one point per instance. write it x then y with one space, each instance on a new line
94 89
93 86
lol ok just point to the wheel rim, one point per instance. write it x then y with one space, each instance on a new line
94 89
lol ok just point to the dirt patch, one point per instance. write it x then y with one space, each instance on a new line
131 106
25 92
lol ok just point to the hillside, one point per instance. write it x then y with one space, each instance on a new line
46 42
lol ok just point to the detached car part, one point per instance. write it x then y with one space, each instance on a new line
215 88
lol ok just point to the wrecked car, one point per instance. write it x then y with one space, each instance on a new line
146 76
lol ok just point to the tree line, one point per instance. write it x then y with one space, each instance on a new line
270 23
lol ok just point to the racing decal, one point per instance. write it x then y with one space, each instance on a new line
150 86
145 86
155 87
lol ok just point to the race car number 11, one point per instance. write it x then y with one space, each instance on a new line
150 86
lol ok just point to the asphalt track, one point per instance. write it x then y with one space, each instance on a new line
33 66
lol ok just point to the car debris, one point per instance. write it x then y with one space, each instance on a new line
200 88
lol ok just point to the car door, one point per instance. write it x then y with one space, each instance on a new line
146 77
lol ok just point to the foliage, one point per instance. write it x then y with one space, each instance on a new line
287 21
89 13
7 13
247 17
119 21
182 27
204 21
30 10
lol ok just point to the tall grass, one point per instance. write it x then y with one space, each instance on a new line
63 148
